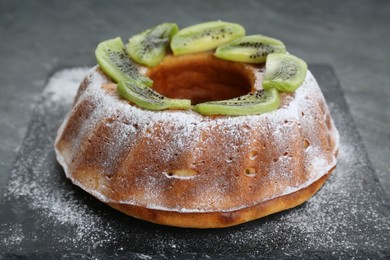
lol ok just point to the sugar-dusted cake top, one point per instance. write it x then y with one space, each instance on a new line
225 41
299 140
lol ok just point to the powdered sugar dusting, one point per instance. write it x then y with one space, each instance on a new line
70 81
45 213
34 184
11 235
334 220
189 127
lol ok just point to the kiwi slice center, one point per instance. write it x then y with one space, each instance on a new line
201 78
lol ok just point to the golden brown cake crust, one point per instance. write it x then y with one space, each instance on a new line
184 169
223 219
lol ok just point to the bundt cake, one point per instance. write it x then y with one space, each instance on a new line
202 167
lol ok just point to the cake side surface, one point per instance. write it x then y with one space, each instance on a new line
180 161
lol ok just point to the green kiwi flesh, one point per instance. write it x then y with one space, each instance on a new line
145 97
205 36
285 72
114 61
255 103
149 47
250 49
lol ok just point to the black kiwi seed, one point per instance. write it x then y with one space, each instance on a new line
205 36
252 103
147 98
286 74
257 47
149 47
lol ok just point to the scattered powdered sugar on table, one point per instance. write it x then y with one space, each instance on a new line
62 87
343 218
11 235
341 209
34 184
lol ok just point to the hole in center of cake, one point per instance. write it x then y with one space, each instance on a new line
201 78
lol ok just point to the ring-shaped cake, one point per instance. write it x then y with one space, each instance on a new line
181 168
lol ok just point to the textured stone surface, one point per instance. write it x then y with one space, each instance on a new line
40 37
43 213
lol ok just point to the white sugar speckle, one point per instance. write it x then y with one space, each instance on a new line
11 235
69 83
189 128
33 184
343 219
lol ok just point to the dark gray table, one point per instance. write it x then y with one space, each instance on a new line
38 38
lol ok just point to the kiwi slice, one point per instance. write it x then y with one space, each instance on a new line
145 97
258 102
250 49
149 47
114 61
205 36
283 71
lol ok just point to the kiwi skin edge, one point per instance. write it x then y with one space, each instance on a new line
250 49
251 104
111 49
285 72
204 37
145 97
150 47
